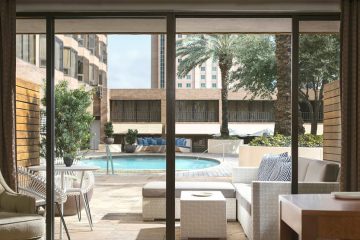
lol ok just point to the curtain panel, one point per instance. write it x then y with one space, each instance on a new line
350 96
7 90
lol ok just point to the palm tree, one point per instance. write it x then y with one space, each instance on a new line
194 50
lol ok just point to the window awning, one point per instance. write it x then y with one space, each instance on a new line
143 128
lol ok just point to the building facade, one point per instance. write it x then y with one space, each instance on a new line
80 59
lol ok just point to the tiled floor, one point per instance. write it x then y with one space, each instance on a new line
116 210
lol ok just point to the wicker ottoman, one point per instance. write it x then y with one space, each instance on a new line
202 217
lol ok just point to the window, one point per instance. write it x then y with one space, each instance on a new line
162 61
92 43
188 85
203 69
203 77
25 47
188 76
59 54
70 62
42 51
102 77
213 85
80 67
203 85
81 40
179 35
179 85
214 77
214 69
103 52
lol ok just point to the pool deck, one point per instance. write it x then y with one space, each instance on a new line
116 208
116 205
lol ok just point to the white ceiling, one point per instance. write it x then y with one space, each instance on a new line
180 5
184 25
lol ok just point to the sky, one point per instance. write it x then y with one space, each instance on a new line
129 61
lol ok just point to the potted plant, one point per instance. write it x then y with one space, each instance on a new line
72 122
130 139
109 132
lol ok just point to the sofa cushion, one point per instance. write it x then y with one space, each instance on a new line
158 189
158 141
21 226
281 171
140 141
322 171
244 195
268 163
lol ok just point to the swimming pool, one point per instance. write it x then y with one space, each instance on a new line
147 162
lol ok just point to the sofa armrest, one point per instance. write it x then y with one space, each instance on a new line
265 203
244 174
14 202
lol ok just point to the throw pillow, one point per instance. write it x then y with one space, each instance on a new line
268 165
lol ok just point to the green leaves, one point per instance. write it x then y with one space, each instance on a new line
72 119
278 140
131 136
108 129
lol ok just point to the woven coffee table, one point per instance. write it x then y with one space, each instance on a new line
202 217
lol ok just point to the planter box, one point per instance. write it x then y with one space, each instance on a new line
250 156
229 146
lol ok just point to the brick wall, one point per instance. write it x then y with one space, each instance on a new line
332 122
27 123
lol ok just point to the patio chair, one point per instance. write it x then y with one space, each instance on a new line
35 186
79 190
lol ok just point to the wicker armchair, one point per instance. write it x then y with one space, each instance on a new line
34 185
17 215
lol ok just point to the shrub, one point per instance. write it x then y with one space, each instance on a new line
278 140
108 129
72 120
131 136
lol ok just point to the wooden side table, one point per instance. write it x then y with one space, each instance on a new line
318 216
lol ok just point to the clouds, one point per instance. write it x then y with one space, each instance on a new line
129 61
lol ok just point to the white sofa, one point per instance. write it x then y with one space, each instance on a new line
154 198
257 201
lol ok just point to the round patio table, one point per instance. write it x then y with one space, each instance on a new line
62 169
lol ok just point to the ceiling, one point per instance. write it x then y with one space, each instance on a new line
179 5
184 25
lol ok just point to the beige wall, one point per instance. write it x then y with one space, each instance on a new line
250 156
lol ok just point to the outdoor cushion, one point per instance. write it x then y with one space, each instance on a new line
158 189
163 141
268 163
158 141
302 168
21 226
152 141
146 142
281 171
321 171
140 141
244 195
177 141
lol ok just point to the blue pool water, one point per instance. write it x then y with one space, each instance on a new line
151 162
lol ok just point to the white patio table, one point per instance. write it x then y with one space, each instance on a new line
62 169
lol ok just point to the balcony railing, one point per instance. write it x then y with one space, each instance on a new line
136 116
197 116
235 116
306 116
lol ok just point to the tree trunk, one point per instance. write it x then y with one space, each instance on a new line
225 63
282 106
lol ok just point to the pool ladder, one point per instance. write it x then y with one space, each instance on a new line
109 159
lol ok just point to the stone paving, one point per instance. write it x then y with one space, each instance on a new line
117 204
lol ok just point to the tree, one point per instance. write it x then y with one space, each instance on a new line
319 64
72 119
265 68
194 50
